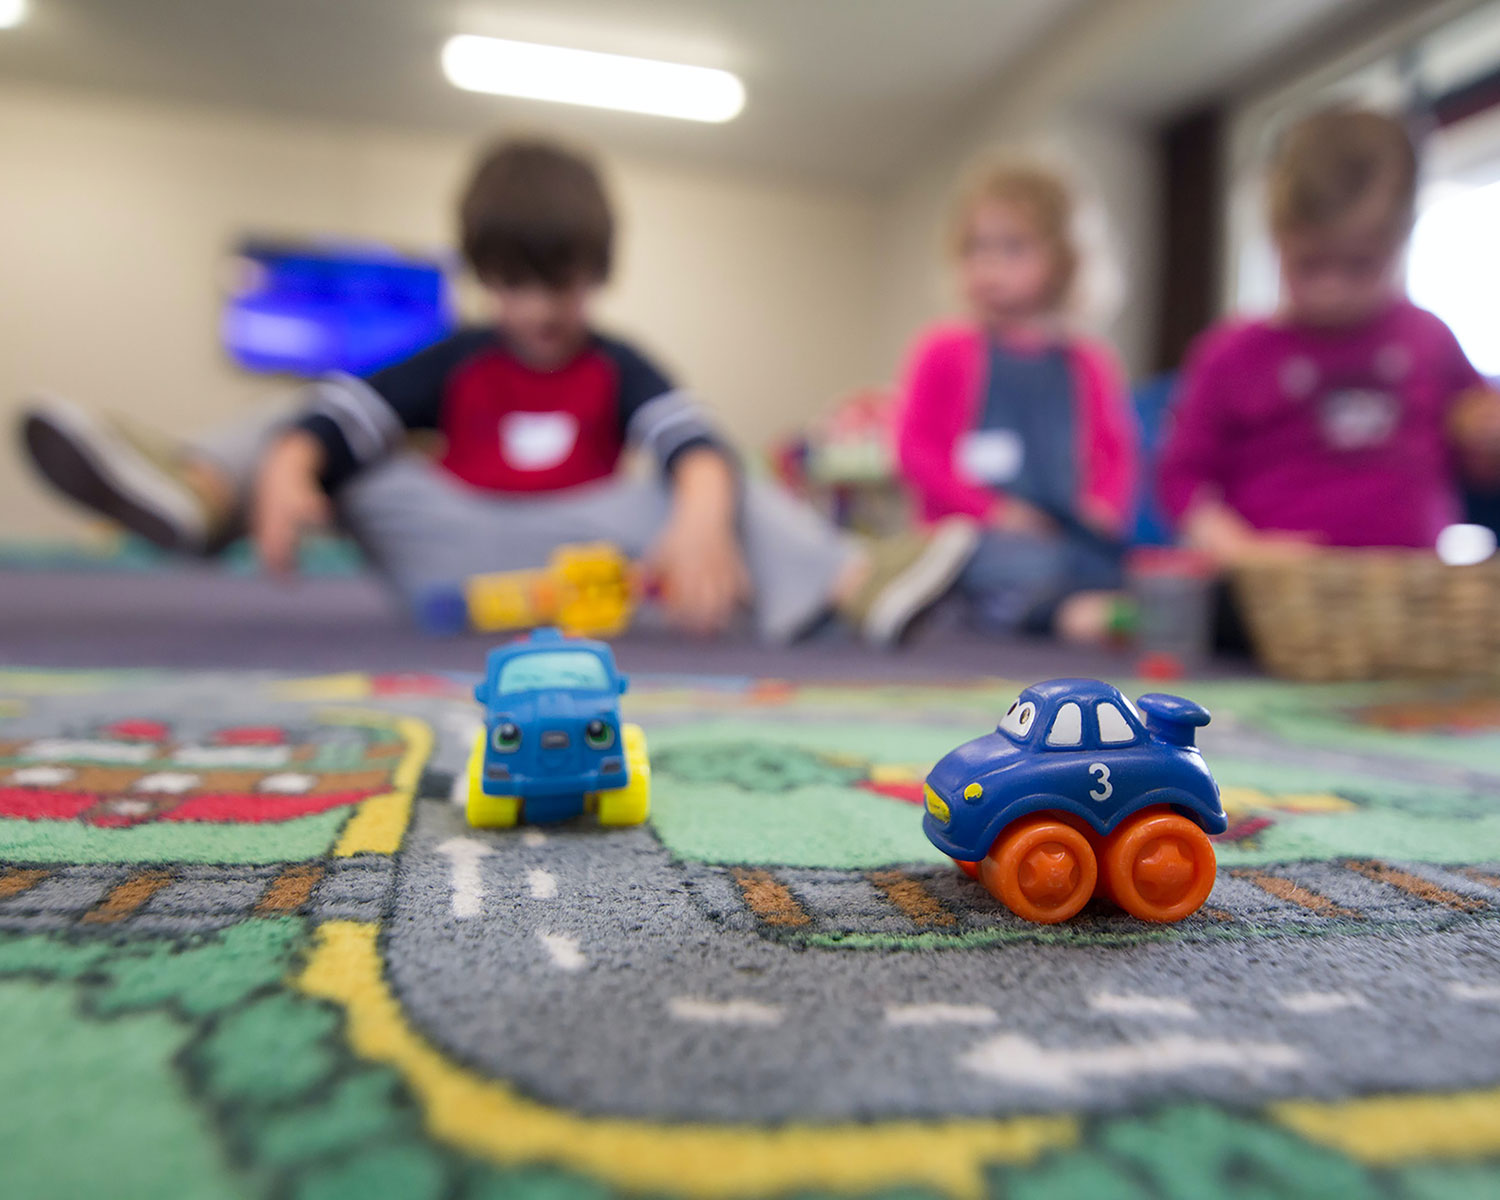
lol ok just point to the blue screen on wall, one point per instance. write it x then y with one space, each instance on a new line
307 309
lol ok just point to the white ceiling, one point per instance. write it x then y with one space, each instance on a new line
1212 46
842 90
838 89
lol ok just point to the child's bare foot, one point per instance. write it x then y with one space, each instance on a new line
176 504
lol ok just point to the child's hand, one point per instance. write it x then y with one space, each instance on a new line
1228 539
1274 548
287 499
1475 426
696 561
1022 517
700 573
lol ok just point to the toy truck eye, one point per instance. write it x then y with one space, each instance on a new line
507 737
600 735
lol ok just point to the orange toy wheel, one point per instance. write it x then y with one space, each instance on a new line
1159 866
1042 869
971 869
1096 844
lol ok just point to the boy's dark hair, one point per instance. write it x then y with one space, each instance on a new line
533 212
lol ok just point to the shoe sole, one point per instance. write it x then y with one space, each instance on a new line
922 584
106 474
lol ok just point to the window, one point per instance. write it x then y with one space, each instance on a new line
1452 263
553 669
1017 721
1067 726
1114 729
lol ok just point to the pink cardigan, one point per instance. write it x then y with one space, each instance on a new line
940 397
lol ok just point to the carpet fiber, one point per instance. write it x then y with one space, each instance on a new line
249 947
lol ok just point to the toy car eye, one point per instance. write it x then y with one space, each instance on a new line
507 737
600 735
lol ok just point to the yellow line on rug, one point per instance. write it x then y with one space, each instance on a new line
487 1117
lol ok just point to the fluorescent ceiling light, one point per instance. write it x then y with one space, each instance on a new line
12 12
643 85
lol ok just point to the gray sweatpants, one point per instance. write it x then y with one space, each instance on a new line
421 527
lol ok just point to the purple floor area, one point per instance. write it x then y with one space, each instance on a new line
206 617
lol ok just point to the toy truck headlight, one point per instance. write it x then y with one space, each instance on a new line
936 805
506 737
599 734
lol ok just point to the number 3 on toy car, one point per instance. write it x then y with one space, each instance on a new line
1105 789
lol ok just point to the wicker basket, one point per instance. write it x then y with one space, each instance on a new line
1366 614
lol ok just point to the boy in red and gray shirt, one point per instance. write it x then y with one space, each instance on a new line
536 410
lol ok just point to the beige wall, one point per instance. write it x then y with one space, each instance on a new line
115 217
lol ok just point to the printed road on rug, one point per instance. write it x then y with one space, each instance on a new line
249 947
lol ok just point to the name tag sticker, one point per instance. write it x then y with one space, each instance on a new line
992 455
537 441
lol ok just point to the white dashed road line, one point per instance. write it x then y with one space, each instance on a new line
1483 993
563 950
175 783
1011 1058
41 776
1320 1002
724 1012
940 1014
1126 1005
463 855
543 884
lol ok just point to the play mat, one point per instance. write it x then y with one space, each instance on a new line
249 947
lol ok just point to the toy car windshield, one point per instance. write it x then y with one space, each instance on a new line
553 669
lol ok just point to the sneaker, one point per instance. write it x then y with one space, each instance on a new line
909 574
99 465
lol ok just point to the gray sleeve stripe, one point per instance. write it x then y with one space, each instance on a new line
667 422
358 429
665 447
367 421
375 403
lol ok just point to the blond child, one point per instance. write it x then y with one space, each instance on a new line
1011 419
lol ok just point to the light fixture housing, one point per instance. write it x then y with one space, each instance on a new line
642 85
12 13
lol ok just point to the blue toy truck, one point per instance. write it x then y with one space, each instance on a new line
1075 795
552 745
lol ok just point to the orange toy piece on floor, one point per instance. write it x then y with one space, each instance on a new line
586 590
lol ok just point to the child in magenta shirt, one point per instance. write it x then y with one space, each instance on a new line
1339 419
1010 420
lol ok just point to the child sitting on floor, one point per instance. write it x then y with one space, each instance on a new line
1335 420
1011 419
536 409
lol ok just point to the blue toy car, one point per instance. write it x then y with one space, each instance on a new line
1074 795
552 745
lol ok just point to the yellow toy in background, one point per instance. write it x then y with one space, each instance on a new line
587 589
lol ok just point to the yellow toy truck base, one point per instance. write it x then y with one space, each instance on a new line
629 805
483 810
